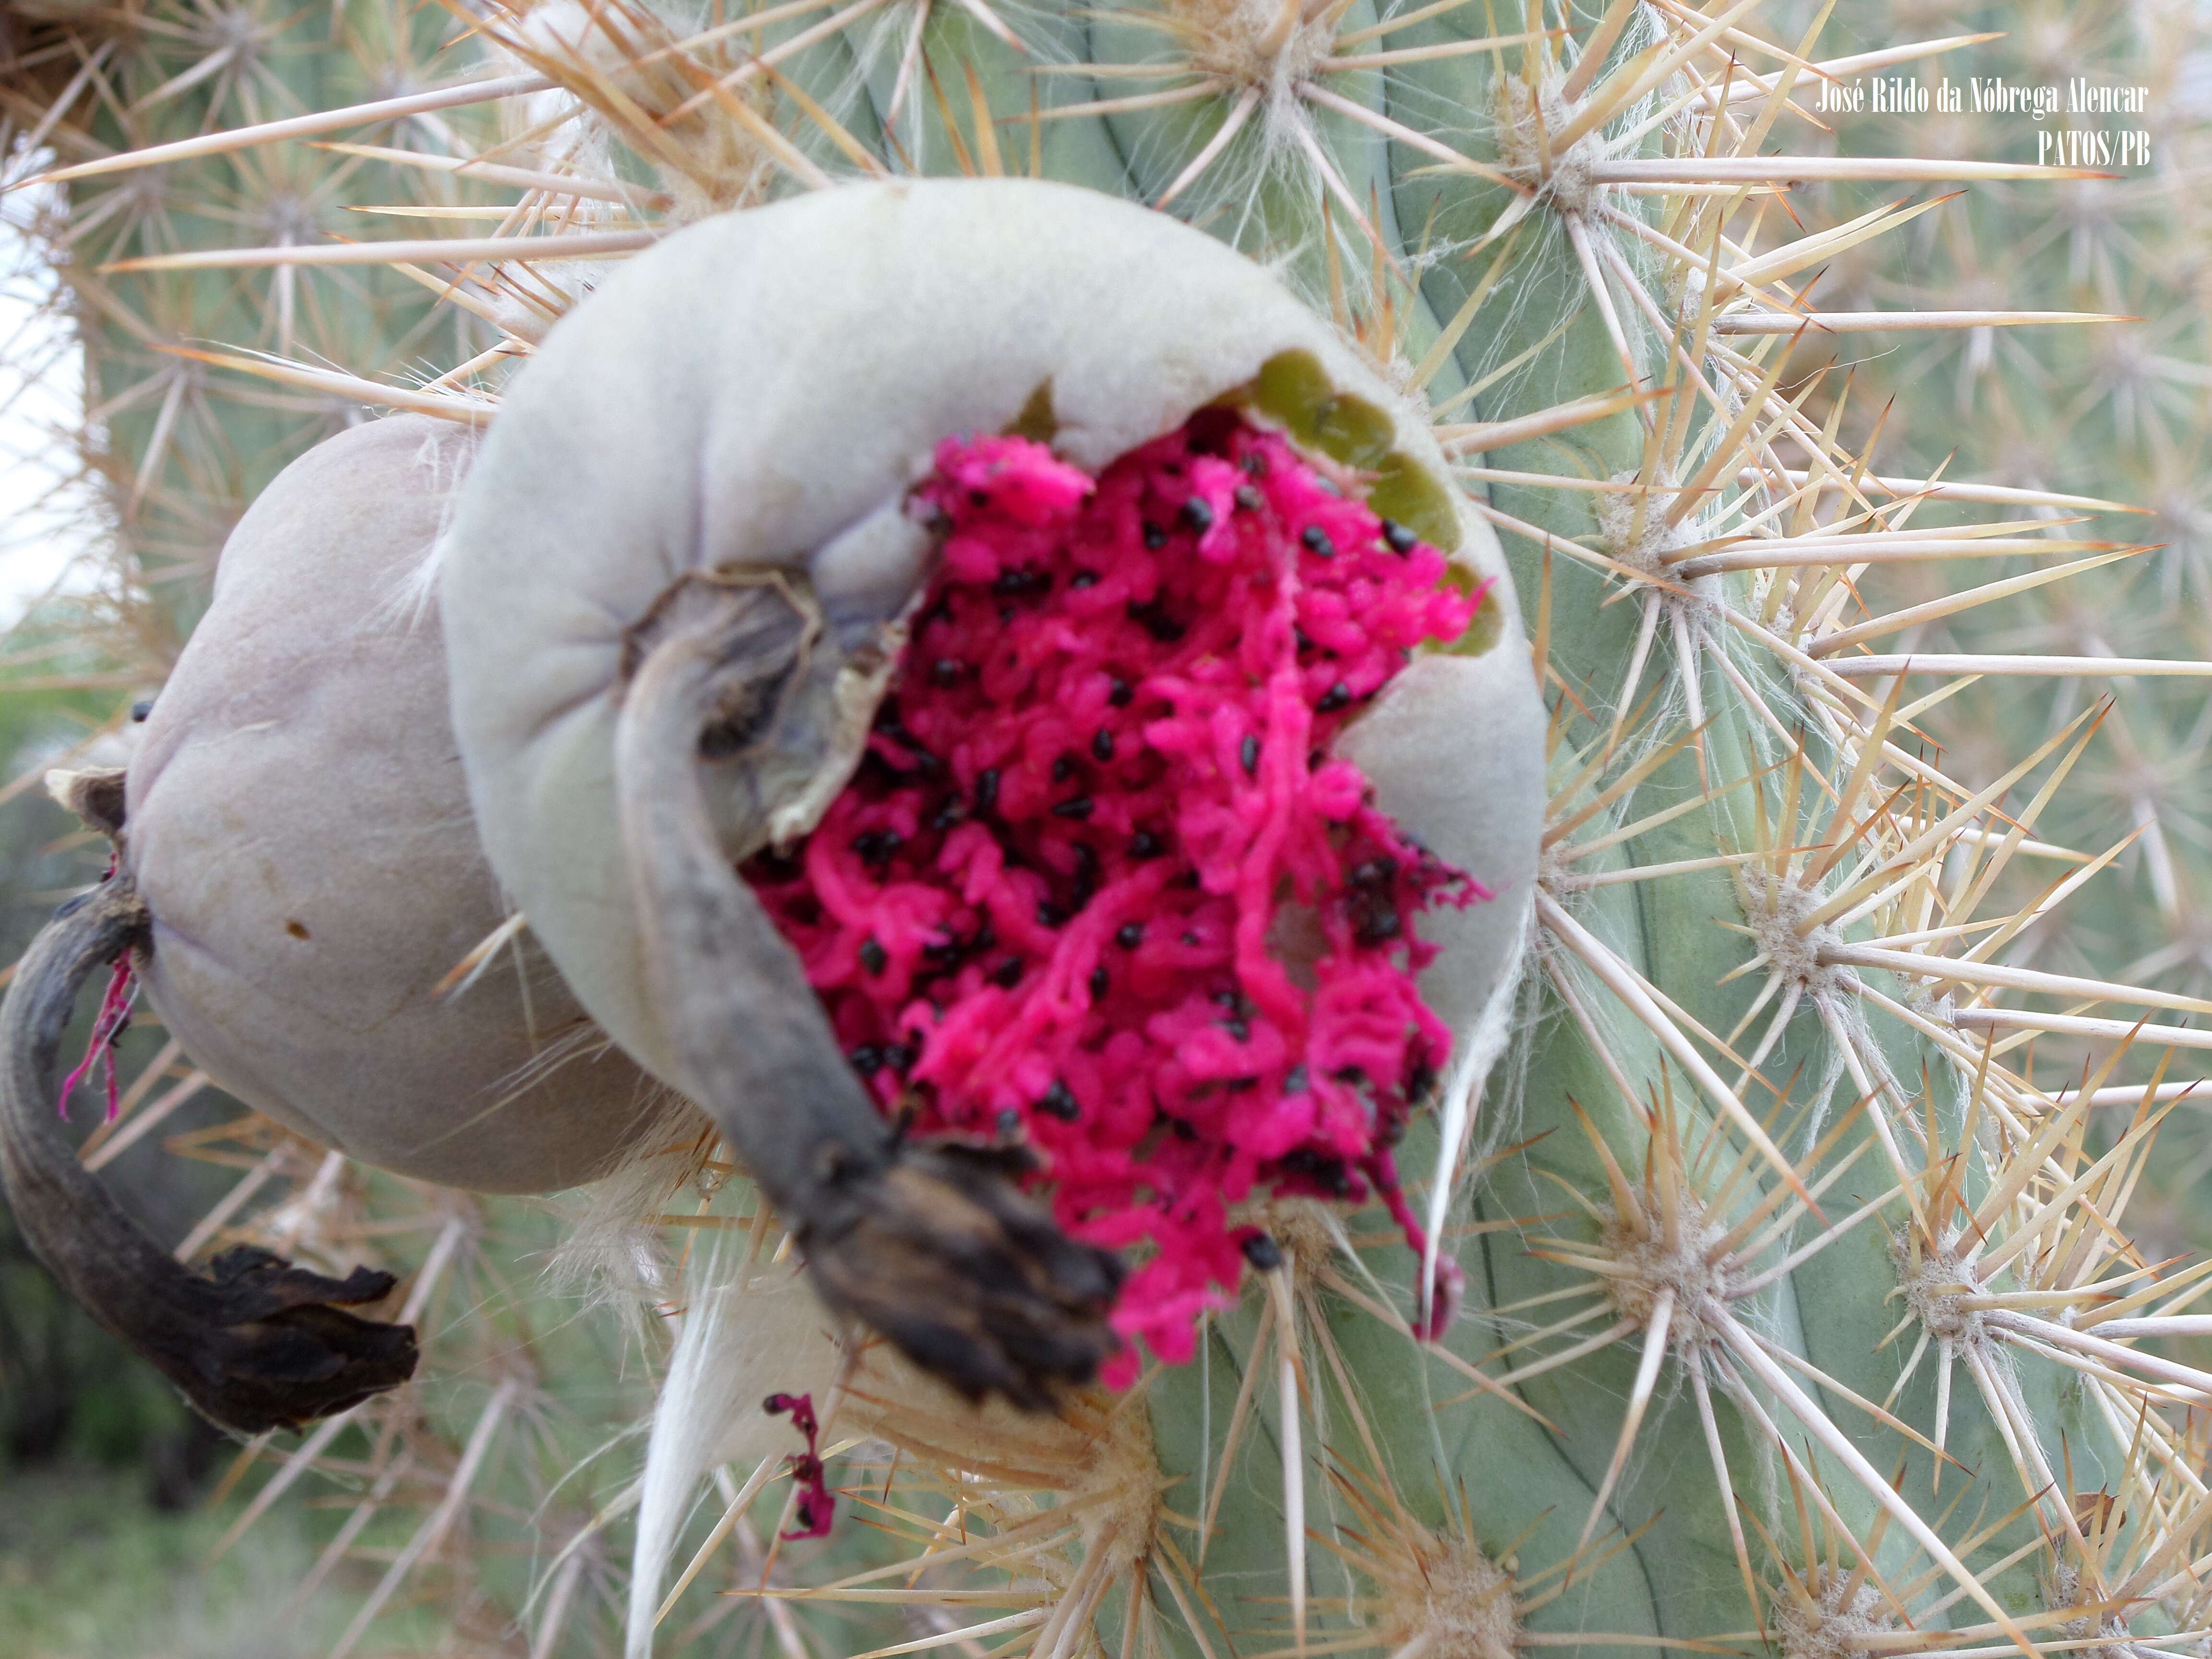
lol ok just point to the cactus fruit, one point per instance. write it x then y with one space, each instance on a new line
1801 1306
295 873
575 562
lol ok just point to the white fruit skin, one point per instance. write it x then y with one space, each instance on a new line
764 384
298 768
1455 747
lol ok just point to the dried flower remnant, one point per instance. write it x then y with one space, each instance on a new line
815 1509
1101 886
108 1026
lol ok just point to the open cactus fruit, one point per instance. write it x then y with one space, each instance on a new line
1260 768
1033 703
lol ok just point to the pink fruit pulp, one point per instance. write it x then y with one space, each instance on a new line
1099 884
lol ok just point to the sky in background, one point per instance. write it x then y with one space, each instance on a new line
43 521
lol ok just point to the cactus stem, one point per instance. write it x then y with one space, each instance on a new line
1869 938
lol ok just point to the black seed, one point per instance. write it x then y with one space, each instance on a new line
1008 973
1241 1030
876 846
1378 926
1058 1103
1157 622
1010 1125
1183 1130
1129 935
1420 1080
1099 983
1256 464
1317 542
1249 753
949 814
1145 845
867 1059
1154 537
1263 1253
1317 1167
1249 500
1050 915
1102 745
987 791
987 937
1304 640
1078 808
1294 1080
901 1057
1401 539
1084 579
1005 615
1188 878
142 708
945 670
1019 584
873 957
1198 514
1063 768
1119 693
979 498
1374 873
1337 696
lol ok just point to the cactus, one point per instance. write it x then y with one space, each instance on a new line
1801 1309
2132 408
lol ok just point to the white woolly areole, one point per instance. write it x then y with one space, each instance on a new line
1525 122
1633 527
1847 1620
1445 1598
757 389
1778 912
1683 1260
1935 1283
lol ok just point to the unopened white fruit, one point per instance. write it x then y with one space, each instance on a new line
297 823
